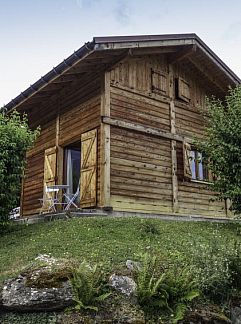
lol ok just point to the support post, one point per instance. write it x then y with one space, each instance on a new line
105 143
173 142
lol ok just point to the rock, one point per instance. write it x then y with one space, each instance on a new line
44 285
133 265
236 315
123 284
17 296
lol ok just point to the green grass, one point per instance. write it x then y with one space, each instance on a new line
108 240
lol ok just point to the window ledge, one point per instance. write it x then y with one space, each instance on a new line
201 182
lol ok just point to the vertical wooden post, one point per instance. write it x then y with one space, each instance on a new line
105 143
59 156
173 143
22 193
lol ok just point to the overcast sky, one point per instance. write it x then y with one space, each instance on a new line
38 34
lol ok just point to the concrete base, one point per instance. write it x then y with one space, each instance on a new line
110 213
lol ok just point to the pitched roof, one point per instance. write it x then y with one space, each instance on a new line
102 52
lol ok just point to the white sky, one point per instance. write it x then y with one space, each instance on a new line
37 35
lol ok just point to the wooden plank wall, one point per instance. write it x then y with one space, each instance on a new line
140 172
75 111
141 164
193 198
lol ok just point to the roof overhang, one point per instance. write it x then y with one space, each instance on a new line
102 52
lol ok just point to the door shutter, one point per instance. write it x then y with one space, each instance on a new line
88 169
187 161
49 170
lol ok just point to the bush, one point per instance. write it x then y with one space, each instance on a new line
221 145
217 267
15 138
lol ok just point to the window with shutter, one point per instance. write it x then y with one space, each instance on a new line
158 82
88 169
187 157
183 90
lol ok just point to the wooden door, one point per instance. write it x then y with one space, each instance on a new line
88 172
50 169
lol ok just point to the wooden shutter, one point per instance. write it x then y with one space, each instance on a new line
88 169
49 170
159 82
187 161
183 90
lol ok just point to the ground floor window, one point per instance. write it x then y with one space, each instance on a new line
72 168
199 166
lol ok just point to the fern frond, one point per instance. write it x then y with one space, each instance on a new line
180 311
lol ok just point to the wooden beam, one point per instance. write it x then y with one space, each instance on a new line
181 54
152 51
173 142
140 128
105 143
203 70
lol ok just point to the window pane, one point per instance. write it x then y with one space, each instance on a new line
193 165
200 165
72 169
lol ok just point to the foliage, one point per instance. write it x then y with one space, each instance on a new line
164 287
218 267
150 285
88 287
15 138
112 239
148 227
222 146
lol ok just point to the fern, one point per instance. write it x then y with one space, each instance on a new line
150 288
87 287
179 313
165 289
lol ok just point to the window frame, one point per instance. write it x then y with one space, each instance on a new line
206 178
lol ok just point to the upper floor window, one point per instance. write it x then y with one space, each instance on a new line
182 89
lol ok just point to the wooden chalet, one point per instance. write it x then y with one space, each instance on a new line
119 115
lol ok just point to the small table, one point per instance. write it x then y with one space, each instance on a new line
56 199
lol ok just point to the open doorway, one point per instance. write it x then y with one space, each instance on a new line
72 162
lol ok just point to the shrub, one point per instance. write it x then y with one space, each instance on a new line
15 138
217 267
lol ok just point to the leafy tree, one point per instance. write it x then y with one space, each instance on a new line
222 146
15 138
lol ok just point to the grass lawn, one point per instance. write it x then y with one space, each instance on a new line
111 240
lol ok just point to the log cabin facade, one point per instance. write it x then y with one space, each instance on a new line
119 117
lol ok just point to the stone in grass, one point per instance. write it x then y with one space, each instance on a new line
236 315
133 265
123 284
42 286
17 296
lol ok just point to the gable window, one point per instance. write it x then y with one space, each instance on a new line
182 90
158 82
